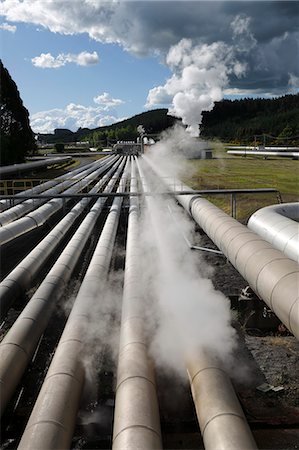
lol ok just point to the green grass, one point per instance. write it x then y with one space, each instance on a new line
238 172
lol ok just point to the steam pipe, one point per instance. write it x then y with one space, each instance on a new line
136 416
4 204
52 421
272 275
221 419
278 224
25 167
19 210
19 344
21 277
39 216
263 153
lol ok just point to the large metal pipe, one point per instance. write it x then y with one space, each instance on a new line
25 167
21 277
136 416
221 419
278 224
19 344
272 275
52 421
222 422
263 153
5 204
19 210
39 216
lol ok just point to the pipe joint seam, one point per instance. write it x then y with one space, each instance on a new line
139 377
138 426
219 415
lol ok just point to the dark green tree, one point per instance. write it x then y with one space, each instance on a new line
16 136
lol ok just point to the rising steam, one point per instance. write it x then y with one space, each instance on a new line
201 72
184 312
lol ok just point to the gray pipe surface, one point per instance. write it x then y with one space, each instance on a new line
278 224
263 153
272 275
39 216
21 277
19 344
221 419
136 416
19 210
52 421
5 204
25 167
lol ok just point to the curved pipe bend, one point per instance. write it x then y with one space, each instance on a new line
278 225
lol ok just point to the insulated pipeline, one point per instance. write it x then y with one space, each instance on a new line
21 277
221 419
25 167
4 204
278 224
52 421
136 417
39 216
19 344
19 210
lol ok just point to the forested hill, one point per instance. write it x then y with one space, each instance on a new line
240 120
153 122
236 121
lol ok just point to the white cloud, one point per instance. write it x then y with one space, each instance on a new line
47 61
7 27
106 101
75 115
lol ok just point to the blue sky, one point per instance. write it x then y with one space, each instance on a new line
93 62
124 76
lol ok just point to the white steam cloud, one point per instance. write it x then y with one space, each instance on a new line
185 314
201 73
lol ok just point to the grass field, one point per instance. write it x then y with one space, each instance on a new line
225 171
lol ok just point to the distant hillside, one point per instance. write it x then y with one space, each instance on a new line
153 121
240 120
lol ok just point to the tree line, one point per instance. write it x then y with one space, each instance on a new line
249 121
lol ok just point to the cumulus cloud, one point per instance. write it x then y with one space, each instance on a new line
47 61
7 27
265 31
74 116
106 101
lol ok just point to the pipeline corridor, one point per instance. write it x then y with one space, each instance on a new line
66 340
